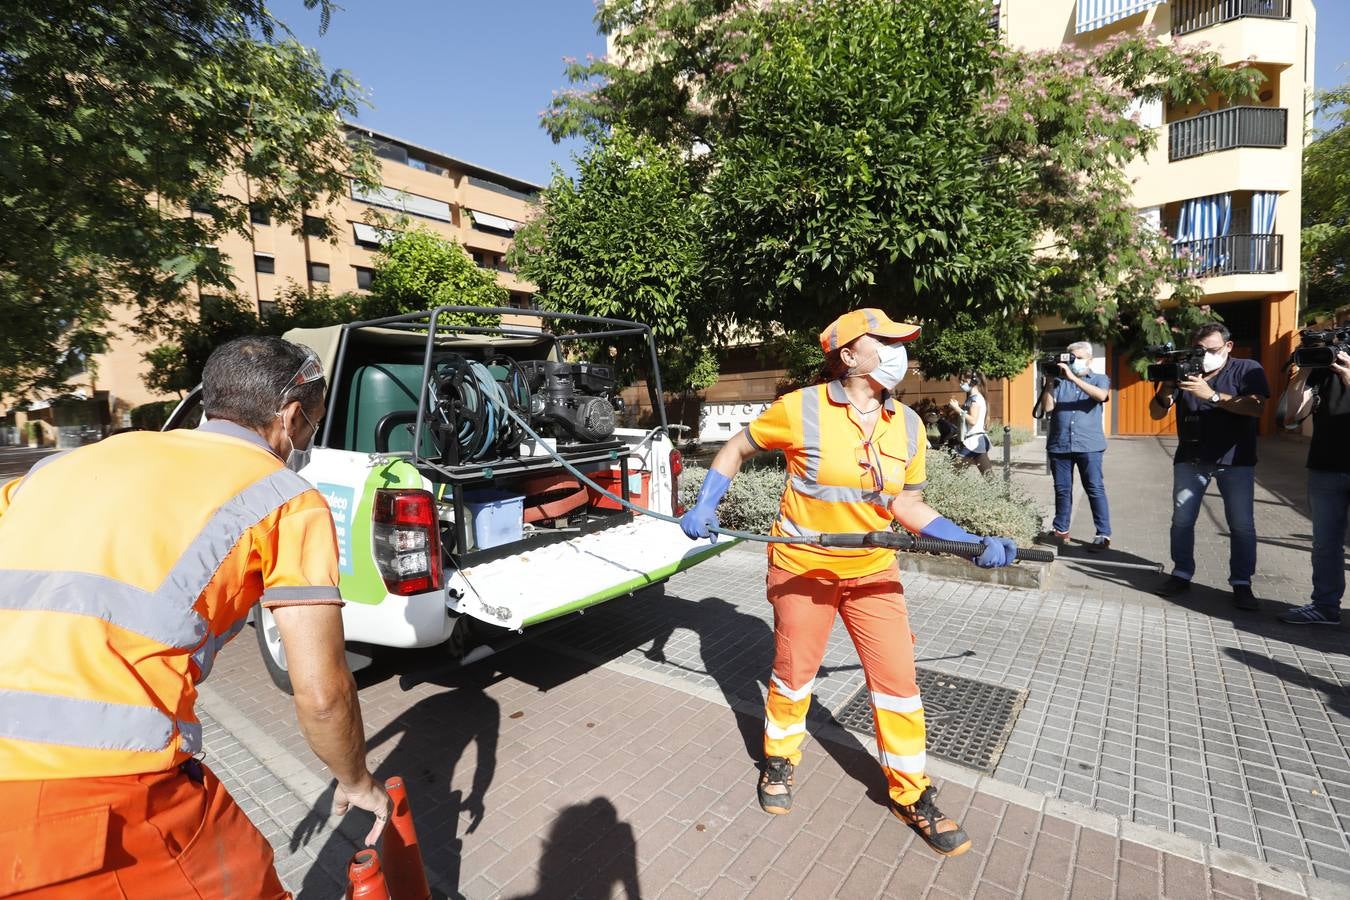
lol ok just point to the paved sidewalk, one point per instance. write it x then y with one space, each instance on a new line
1166 749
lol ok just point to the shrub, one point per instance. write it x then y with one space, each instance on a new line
1019 435
152 416
977 503
750 504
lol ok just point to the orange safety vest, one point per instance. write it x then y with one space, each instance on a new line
124 567
838 482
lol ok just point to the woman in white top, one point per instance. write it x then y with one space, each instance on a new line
974 419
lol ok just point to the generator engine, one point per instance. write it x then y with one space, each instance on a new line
573 402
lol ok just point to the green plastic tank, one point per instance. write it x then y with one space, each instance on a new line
377 390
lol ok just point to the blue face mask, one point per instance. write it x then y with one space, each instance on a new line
1079 366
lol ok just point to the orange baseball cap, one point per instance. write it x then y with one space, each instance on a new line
858 322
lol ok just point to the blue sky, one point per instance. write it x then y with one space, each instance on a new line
469 78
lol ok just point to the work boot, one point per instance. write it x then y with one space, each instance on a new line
775 786
940 832
1172 586
1243 598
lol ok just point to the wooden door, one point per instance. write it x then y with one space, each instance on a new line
1132 396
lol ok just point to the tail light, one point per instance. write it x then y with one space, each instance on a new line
676 469
407 540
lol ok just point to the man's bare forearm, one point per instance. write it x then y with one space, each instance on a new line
333 728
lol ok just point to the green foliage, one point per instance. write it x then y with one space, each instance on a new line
167 373
845 153
118 117
800 353
1326 207
623 241
750 504
962 344
418 270
976 502
152 416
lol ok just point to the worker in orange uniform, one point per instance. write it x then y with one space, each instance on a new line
124 567
855 463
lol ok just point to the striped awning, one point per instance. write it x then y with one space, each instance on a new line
1093 14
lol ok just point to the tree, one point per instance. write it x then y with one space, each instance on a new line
868 152
418 270
1326 207
117 119
622 241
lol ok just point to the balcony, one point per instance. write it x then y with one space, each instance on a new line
1239 126
1192 15
1232 254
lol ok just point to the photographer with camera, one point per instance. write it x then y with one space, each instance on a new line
1321 387
1217 411
1073 399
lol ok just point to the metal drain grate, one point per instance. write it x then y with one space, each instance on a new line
968 721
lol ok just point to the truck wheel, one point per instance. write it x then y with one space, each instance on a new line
273 654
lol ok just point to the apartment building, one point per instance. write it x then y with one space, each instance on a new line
1225 181
335 247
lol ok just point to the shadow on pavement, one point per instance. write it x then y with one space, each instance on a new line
1336 696
431 737
589 854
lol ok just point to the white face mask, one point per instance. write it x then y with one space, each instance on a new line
297 459
1079 366
892 364
1214 359
965 386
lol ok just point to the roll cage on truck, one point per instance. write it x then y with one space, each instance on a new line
412 572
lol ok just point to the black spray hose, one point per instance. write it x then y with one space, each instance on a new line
891 540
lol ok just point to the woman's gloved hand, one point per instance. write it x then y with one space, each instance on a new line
998 551
697 522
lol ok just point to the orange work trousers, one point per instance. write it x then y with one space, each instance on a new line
157 835
873 609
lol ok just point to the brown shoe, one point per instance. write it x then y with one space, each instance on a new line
940 832
775 786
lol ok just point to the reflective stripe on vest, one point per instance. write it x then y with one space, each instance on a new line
165 615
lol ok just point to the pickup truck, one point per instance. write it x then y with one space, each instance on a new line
466 540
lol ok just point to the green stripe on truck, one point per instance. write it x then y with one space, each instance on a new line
634 584
364 584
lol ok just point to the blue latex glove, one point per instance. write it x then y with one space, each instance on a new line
998 551
695 523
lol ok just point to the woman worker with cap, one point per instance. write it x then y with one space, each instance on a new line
855 463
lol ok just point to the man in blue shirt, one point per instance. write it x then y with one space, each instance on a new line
1074 404
1217 414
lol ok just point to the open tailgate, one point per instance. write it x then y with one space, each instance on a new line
556 579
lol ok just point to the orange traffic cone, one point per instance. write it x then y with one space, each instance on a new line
402 855
365 881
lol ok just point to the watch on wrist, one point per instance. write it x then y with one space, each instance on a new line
1215 398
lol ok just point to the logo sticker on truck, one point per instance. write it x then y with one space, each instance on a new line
342 501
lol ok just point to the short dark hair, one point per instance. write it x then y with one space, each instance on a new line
1209 328
244 380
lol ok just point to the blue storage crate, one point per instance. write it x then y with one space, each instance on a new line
496 517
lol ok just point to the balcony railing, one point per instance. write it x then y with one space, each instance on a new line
1192 15
1232 254
1240 126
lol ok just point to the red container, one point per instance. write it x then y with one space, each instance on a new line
612 481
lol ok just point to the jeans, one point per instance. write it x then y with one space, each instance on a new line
1237 486
1090 471
1329 498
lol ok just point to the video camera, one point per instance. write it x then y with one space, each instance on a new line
1318 349
1050 360
1173 364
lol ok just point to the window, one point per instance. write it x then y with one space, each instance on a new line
364 277
370 236
391 198
210 304
318 272
265 263
520 301
493 224
258 216
425 166
314 226
203 205
479 259
528 193
266 309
